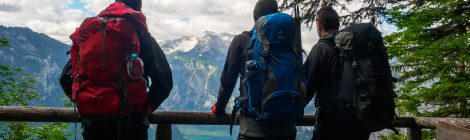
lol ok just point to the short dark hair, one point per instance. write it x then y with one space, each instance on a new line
265 7
328 18
134 4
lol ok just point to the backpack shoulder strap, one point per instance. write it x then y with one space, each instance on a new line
261 36
247 34
265 54
329 40
247 48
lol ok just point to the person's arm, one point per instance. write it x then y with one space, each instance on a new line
229 76
312 70
156 67
66 80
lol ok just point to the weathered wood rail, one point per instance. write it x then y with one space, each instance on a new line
166 118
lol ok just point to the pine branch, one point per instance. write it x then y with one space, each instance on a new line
4 42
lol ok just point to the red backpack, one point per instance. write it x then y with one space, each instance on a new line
101 48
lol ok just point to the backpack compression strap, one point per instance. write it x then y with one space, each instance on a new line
265 54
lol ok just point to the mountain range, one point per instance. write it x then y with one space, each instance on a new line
196 61
39 55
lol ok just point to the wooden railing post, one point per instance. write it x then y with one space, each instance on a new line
163 132
415 133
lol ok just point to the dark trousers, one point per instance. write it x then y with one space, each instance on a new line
328 127
133 127
288 137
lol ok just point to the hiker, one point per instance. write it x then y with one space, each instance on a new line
349 75
322 70
241 60
113 61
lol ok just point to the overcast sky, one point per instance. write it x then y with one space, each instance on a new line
166 19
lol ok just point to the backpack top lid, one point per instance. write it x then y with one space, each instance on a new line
359 37
119 9
275 28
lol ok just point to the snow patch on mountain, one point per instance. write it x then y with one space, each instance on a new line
197 62
183 44
207 42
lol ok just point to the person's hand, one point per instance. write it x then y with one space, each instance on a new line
214 108
217 111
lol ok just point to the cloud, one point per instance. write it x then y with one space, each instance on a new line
166 19
169 19
173 18
52 17
9 8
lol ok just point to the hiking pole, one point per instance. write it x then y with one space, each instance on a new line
298 22
75 119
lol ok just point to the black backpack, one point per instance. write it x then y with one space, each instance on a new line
365 96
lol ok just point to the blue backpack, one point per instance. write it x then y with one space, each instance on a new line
274 82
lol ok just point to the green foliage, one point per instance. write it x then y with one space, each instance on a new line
370 10
16 131
432 47
29 131
4 42
392 136
53 131
427 135
17 88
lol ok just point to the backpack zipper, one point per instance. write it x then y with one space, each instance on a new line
103 27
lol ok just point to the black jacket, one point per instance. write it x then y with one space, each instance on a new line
322 70
233 68
156 69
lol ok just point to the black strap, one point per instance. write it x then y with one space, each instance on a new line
239 104
234 118
246 55
247 48
123 104
121 79
76 119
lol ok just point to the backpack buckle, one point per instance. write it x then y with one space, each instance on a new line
251 65
355 64
75 78
263 54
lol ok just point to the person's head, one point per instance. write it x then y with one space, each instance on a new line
265 7
327 20
134 4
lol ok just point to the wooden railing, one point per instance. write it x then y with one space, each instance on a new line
165 119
